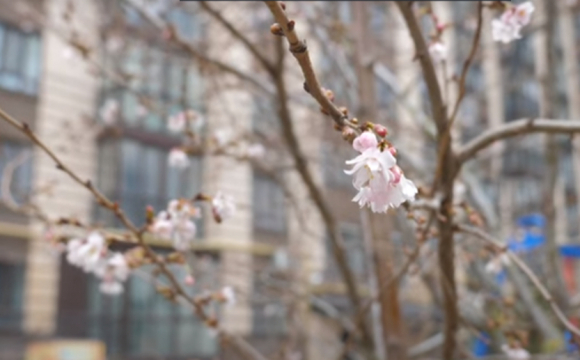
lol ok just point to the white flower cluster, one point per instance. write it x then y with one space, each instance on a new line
380 182
507 27
176 224
91 255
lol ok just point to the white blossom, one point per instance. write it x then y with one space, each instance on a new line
515 353
507 27
223 206
497 263
178 158
438 51
176 122
256 151
229 295
175 224
223 136
88 253
110 112
113 272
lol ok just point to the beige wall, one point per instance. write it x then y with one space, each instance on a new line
60 111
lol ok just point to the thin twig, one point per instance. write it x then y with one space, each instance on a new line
480 234
242 346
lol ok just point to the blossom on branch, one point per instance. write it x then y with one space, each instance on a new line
222 137
379 181
113 272
176 224
222 206
227 295
507 27
177 158
87 253
438 51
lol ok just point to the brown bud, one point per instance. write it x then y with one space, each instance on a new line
337 127
344 110
211 322
291 25
354 121
149 214
276 29
323 110
283 5
329 94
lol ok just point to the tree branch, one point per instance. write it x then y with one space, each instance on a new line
513 129
241 344
238 35
300 51
480 234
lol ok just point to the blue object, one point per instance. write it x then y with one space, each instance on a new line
570 346
480 347
532 220
571 250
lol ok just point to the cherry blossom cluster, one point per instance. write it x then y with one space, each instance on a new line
381 184
92 255
176 223
507 28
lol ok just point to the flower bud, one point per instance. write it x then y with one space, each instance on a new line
276 29
381 130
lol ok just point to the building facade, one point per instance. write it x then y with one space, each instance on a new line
273 236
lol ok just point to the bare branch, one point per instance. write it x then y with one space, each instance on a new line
238 35
513 129
480 234
300 51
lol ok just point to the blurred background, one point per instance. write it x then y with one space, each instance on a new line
63 63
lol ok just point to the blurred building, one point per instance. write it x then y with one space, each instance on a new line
58 94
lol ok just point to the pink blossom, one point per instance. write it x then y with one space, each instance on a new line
364 141
508 26
380 183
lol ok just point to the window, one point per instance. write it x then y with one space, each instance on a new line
268 205
167 81
21 180
20 59
139 322
136 174
12 268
